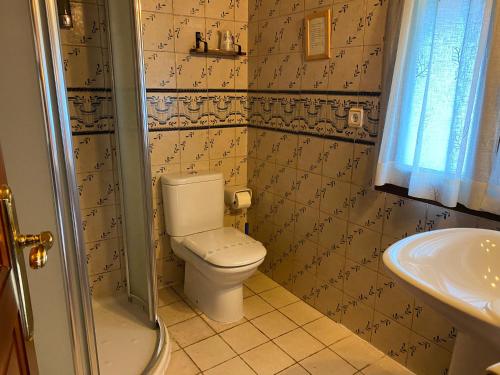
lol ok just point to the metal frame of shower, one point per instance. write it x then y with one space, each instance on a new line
59 141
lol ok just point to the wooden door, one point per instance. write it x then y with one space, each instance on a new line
14 350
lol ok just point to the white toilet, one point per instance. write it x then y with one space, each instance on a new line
218 259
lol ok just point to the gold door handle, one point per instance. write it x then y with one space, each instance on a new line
16 242
40 244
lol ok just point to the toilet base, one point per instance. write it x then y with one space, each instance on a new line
219 302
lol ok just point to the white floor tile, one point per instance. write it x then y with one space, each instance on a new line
267 359
260 282
386 366
298 344
219 326
175 313
234 366
210 352
247 292
301 313
181 364
357 351
327 362
167 296
278 297
244 337
294 370
190 331
274 324
255 306
327 331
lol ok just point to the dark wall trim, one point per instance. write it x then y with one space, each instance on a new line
217 126
317 92
152 130
403 192
194 91
91 132
87 89
270 92
323 136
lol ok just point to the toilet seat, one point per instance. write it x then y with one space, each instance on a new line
224 247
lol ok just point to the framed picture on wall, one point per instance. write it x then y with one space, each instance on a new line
317 35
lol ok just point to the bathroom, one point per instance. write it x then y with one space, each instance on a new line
218 181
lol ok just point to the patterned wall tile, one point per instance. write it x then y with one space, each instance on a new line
158 31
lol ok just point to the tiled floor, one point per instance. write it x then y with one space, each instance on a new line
278 335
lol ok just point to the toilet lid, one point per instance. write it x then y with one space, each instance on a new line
225 247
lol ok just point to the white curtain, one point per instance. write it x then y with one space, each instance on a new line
442 125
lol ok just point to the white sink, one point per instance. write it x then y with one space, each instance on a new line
457 272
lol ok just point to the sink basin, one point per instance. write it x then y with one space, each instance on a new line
457 272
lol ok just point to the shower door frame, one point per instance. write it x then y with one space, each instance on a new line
140 79
47 43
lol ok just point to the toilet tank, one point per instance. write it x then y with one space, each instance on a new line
192 203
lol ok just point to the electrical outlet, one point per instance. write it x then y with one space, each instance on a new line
355 117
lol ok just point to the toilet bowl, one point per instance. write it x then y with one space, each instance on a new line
217 259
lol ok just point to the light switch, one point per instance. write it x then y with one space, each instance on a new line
355 117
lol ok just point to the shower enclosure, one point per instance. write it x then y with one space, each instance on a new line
94 57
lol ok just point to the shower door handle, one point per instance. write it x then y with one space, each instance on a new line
16 242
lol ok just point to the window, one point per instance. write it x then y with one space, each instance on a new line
439 138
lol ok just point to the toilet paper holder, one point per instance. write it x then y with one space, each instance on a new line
237 197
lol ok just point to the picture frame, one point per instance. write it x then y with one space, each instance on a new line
317 28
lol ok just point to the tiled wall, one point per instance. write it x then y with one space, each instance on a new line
197 105
324 227
197 117
86 66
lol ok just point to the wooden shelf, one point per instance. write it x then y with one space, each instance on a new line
216 53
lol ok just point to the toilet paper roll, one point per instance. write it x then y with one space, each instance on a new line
243 199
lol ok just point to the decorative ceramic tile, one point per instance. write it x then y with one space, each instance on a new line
394 301
191 71
193 110
162 110
425 357
367 207
358 317
104 256
215 28
404 217
220 9
348 23
160 69
107 284
371 70
376 12
164 6
83 66
194 8
158 31
360 282
391 338
86 26
90 111
345 68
